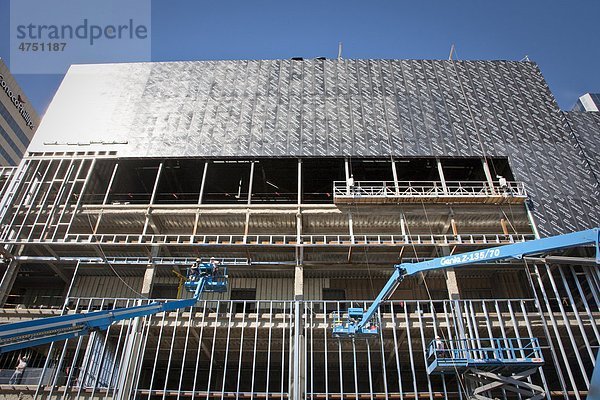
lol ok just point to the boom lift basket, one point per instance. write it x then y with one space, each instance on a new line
211 280
346 324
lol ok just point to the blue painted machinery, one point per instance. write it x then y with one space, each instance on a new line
19 335
356 321
494 354
345 324
487 365
210 277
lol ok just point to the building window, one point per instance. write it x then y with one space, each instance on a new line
243 294
334 295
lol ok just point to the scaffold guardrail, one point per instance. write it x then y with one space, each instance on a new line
295 240
472 191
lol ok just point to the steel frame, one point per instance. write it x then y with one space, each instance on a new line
430 191
259 349
275 349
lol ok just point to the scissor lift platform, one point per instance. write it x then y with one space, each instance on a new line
503 355
489 365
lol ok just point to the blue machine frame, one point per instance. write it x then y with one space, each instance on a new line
211 279
355 325
488 354
25 334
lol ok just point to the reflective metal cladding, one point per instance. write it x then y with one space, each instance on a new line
266 108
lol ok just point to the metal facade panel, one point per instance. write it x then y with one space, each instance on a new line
271 108
586 128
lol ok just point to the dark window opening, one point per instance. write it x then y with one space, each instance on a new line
180 182
371 170
463 169
98 184
275 181
243 294
133 182
36 286
318 176
335 295
500 167
164 291
227 182
417 169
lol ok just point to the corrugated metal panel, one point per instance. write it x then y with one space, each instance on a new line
266 289
106 286
411 288
313 288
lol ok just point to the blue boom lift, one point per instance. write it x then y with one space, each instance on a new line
207 278
494 364
357 322
21 335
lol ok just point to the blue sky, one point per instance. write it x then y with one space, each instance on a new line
561 36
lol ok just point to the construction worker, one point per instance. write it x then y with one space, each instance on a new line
215 266
17 376
440 347
195 270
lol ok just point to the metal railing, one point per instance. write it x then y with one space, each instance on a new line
223 347
482 352
428 189
292 240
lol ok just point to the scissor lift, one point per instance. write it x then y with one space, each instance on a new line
498 364
497 354
490 365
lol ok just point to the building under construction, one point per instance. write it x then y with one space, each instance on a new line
309 180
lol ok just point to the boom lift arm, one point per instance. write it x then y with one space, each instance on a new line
512 251
25 334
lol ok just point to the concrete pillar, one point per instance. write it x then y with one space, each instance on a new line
403 224
299 181
451 282
504 226
532 220
148 282
203 182
149 274
247 225
349 178
8 280
351 227
299 283
251 183
454 228
133 345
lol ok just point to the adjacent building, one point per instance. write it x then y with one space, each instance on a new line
309 179
18 119
588 102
